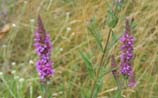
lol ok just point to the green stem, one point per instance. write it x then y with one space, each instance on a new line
44 90
119 89
101 62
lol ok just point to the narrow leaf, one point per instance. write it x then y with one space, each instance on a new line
118 94
89 64
112 19
94 29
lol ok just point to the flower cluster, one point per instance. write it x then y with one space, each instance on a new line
127 51
127 54
43 48
126 57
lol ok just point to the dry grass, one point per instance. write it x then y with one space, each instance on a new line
67 22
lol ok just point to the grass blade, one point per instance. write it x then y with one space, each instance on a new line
89 64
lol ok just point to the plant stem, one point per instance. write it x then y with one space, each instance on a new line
44 90
101 62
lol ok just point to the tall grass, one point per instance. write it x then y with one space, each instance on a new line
77 53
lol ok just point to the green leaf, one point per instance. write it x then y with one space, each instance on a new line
112 19
118 94
89 65
85 92
133 25
94 29
119 6
114 37
99 83
98 87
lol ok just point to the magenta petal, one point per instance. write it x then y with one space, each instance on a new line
127 55
43 47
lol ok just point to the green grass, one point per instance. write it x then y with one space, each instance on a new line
73 77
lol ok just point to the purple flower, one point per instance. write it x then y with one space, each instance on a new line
127 54
43 48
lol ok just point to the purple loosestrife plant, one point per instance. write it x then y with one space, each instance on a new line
43 48
127 54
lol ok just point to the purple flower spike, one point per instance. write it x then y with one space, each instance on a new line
127 54
43 48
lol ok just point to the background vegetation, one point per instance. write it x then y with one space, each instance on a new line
68 22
